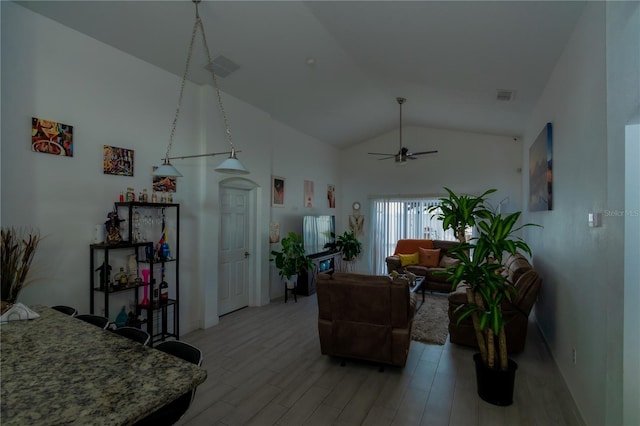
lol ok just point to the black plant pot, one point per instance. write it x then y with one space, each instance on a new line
494 385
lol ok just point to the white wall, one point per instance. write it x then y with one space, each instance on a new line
52 72
580 302
623 110
466 163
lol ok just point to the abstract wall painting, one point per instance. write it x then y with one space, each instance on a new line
541 171
117 161
51 137
308 193
163 183
331 196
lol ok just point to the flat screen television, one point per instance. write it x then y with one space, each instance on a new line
318 234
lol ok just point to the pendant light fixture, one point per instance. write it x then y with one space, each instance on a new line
231 165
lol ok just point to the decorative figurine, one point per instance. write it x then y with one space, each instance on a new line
113 228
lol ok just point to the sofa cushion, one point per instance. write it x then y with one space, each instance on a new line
409 259
447 261
428 257
436 275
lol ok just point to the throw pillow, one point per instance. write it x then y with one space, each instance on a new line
408 259
448 261
429 257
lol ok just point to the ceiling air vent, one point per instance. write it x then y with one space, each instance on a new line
505 95
222 66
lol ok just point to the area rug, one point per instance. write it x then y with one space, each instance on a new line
431 323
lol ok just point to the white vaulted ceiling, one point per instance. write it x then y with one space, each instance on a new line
447 58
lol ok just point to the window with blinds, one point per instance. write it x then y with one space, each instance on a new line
394 219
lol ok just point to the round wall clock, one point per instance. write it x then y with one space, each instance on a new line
356 205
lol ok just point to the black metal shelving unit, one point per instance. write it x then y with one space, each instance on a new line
158 314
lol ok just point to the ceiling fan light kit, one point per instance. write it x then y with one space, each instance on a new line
403 153
231 165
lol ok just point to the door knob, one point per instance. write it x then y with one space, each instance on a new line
246 254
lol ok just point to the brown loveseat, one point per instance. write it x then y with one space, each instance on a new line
424 265
366 317
527 283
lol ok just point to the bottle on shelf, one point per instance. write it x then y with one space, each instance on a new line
164 291
144 195
121 278
154 197
156 290
121 319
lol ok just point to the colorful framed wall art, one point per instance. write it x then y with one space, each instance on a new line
50 137
117 161
541 171
277 191
163 183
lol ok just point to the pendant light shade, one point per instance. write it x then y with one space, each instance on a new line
232 165
167 169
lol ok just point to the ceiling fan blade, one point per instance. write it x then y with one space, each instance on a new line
386 158
423 152
380 153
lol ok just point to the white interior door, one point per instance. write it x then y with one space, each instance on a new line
233 290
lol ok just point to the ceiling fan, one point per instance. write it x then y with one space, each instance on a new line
403 153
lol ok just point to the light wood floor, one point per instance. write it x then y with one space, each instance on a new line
265 368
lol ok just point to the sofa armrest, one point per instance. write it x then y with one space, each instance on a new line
393 264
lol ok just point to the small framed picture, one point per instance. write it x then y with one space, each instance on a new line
163 183
277 191
308 193
331 196
117 161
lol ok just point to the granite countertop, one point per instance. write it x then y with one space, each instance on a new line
60 370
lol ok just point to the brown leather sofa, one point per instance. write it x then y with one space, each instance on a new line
366 317
527 283
432 282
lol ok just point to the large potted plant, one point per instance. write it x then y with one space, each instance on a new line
350 247
480 266
291 260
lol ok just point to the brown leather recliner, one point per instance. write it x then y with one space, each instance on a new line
527 283
366 317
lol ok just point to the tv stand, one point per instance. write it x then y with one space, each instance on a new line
323 263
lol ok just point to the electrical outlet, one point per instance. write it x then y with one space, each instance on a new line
573 355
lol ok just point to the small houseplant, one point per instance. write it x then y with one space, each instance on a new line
480 270
349 245
292 259
18 249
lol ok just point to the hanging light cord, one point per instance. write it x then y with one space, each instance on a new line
215 79
197 25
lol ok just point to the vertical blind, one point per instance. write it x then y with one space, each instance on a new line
394 219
